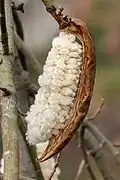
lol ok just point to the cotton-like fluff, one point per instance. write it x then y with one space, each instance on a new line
58 86
47 167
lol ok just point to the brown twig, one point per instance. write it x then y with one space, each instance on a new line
56 12
55 166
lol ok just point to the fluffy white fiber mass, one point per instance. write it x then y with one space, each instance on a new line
47 167
58 85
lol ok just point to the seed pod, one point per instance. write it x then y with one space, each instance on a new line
84 91
58 86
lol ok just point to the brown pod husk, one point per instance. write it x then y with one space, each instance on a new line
84 90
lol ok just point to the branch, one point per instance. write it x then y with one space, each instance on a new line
103 140
27 53
4 34
31 149
80 169
20 32
85 156
101 155
55 166
89 119
8 104
97 111
56 12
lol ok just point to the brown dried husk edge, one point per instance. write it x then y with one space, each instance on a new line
83 94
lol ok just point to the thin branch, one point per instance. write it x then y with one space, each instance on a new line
82 165
48 3
55 166
101 157
90 118
27 53
4 34
97 111
20 32
100 146
31 149
102 139
80 169
78 137
56 12
90 171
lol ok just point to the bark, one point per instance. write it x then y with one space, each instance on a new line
13 95
8 106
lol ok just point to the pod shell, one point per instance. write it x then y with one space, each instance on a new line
84 90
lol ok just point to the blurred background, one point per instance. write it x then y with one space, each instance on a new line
103 20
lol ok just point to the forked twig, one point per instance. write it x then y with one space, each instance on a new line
82 163
102 139
100 153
